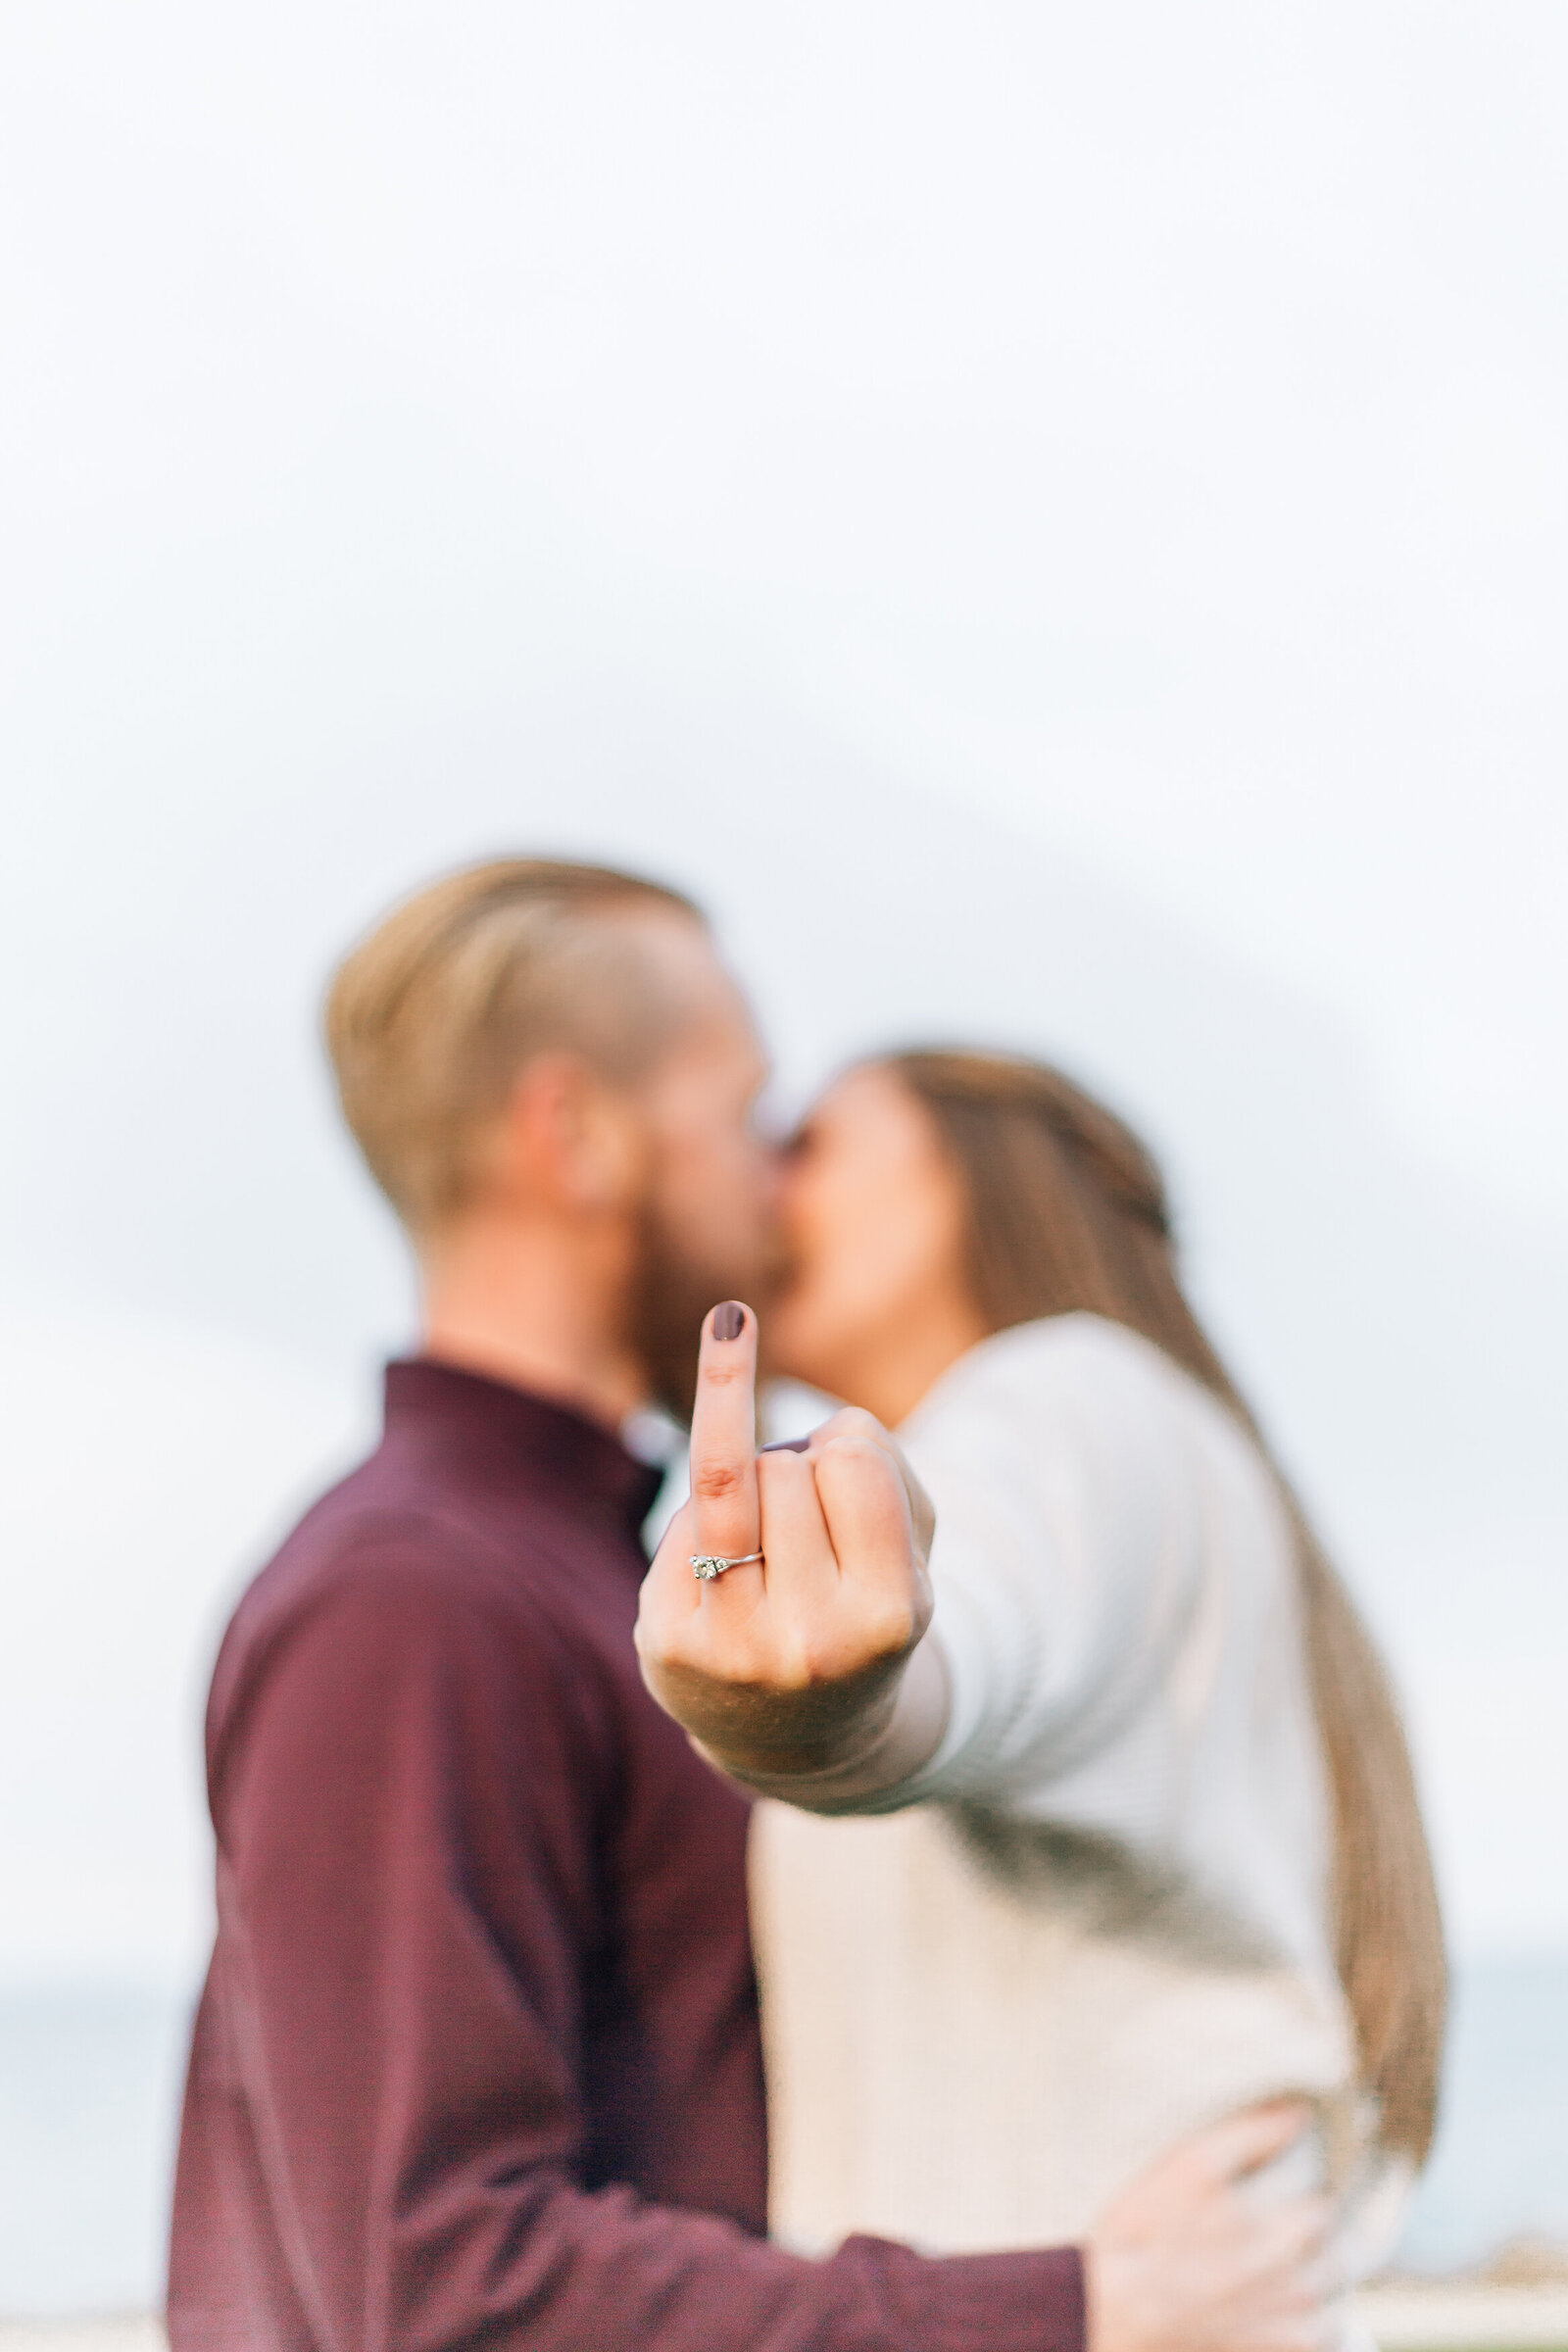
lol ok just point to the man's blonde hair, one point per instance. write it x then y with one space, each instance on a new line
431 1019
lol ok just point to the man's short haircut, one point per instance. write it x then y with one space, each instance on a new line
431 1017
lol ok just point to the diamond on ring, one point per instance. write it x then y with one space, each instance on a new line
706 1565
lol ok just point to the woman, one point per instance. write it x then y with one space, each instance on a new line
1167 1858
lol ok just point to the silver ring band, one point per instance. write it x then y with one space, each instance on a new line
706 1565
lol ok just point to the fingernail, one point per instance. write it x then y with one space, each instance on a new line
789 1446
729 1320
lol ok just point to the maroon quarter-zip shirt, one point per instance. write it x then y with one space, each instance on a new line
477 2057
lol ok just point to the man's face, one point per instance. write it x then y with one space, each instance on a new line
708 1211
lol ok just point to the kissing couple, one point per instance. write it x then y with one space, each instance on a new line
1021 1786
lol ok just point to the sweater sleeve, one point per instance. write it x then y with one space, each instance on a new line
1066 1559
407 1820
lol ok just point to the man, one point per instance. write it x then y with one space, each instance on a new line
478 2056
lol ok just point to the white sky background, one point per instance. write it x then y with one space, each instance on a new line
1054 519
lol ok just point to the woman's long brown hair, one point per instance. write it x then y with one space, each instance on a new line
1068 1214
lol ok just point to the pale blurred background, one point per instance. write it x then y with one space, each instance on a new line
1053 520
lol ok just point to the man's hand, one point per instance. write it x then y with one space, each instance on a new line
1193 2258
784 1665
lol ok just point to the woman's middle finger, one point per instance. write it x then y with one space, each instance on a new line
725 1512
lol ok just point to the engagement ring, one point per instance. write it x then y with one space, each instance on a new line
706 1565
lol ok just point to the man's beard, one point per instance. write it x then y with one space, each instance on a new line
673 1291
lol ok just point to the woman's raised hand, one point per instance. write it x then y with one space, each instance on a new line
784 1664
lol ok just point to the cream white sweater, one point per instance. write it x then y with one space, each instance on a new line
1097 1917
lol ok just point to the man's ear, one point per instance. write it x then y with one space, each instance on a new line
569 1140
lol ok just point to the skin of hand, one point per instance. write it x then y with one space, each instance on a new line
1190 2258
783 1665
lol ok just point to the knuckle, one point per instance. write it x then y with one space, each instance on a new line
797 1665
853 1451
890 1630
657 1646
807 1657
717 1480
774 1672
854 1421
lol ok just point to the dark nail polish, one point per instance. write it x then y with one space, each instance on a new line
789 1446
729 1321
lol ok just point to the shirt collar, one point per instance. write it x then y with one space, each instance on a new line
553 1443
